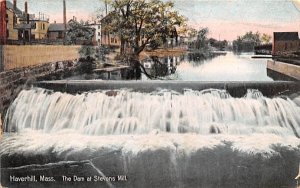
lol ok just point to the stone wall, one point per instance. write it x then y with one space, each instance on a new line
13 81
285 68
20 65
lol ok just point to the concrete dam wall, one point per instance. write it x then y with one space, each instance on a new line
236 89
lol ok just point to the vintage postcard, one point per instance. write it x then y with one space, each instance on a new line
150 93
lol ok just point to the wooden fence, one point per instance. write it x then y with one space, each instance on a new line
30 55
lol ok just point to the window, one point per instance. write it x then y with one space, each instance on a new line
99 27
60 34
43 26
98 33
112 40
116 41
286 46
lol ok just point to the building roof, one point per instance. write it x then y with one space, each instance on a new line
23 26
9 5
57 27
285 36
108 17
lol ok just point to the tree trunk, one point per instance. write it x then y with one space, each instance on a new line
133 61
122 50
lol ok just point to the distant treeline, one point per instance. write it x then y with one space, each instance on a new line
247 42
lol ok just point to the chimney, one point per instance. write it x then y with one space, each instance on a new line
15 5
26 8
65 15
15 10
26 12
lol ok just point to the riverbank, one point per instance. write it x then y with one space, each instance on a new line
163 52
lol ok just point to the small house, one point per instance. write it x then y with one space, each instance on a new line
109 38
56 31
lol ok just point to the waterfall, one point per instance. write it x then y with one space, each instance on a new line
160 139
126 112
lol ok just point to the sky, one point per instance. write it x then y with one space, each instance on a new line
226 19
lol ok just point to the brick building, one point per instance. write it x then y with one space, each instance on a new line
285 42
17 25
3 26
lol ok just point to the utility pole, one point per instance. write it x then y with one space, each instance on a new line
106 8
65 19
65 14
297 5
106 12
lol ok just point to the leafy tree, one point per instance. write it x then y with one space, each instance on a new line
87 52
199 39
247 42
139 23
201 42
252 37
221 45
78 33
192 33
265 38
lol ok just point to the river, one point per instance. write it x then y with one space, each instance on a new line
226 66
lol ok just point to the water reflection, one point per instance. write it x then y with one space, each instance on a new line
195 67
230 67
217 67
199 58
156 67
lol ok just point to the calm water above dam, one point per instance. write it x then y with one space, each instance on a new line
225 67
229 67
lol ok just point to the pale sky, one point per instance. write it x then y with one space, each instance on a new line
226 19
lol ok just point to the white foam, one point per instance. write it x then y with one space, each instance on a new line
68 143
204 112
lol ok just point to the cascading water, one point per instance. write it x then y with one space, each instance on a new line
158 139
204 112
